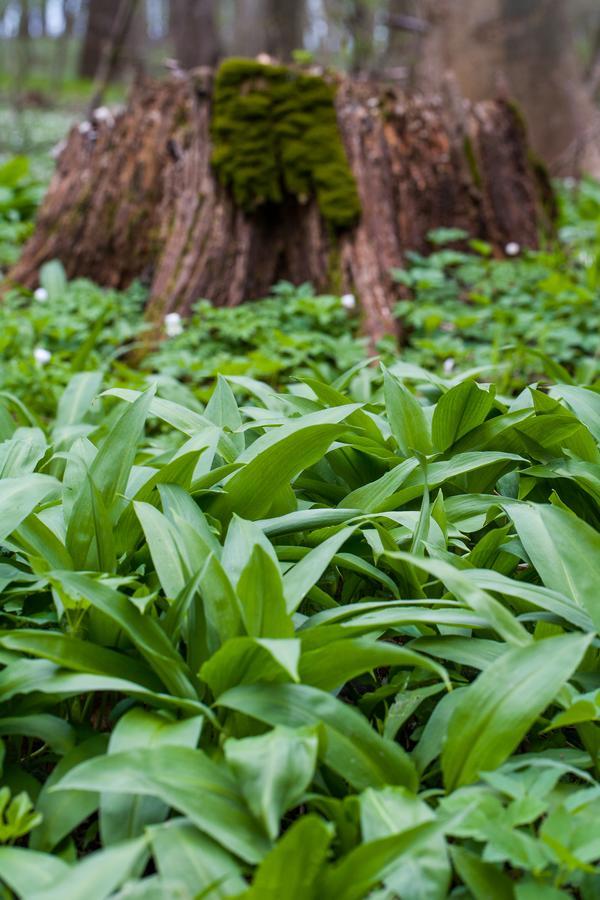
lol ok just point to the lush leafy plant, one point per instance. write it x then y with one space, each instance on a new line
470 309
20 194
303 647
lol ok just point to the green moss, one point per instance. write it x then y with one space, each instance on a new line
275 133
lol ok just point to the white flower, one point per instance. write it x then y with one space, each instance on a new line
585 258
173 325
85 127
448 365
41 295
349 301
512 248
42 356
103 114
570 183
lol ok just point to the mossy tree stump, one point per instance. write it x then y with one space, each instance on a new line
149 195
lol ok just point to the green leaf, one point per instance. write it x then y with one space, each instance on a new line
274 770
28 872
293 867
484 880
351 747
561 547
393 811
123 817
275 459
111 466
186 856
458 411
336 662
186 780
165 549
75 400
145 633
20 496
246 660
406 417
97 875
497 709
89 535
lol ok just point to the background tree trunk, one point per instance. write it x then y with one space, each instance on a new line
137 199
275 27
524 49
100 35
195 34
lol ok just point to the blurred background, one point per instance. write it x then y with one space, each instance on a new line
58 56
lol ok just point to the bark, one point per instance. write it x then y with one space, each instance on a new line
137 199
524 49
195 33
275 27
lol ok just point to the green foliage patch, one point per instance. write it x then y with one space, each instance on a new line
302 646
276 133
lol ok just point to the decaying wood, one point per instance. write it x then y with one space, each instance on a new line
135 197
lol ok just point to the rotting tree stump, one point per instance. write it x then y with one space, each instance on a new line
135 196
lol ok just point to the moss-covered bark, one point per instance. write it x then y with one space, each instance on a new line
275 133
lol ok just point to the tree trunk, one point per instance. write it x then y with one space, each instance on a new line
99 37
138 198
195 34
275 27
525 49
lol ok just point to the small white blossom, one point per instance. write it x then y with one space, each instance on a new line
173 324
349 301
85 127
448 366
103 114
41 295
42 356
585 258
570 183
512 248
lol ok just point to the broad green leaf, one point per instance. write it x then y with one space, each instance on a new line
246 660
187 780
63 811
165 549
275 459
392 811
484 880
301 578
293 867
89 535
75 401
19 497
458 411
185 855
27 871
21 454
406 417
145 633
361 870
497 709
97 875
123 817
351 747
274 770
111 466
563 549
332 665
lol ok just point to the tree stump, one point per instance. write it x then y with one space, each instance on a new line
135 196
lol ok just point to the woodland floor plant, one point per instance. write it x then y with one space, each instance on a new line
301 646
